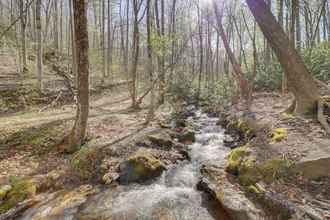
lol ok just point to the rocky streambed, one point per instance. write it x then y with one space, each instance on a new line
195 187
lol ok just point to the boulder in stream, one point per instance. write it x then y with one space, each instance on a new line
187 136
233 200
140 167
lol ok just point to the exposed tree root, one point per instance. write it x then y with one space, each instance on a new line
291 108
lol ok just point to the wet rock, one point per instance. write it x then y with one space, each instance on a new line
231 141
97 207
233 200
223 121
61 205
162 140
140 167
187 136
185 154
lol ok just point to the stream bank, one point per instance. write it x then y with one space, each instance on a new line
167 193
273 157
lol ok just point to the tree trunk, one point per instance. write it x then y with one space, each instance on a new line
162 57
298 27
201 57
109 49
23 35
103 42
300 82
280 7
243 84
268 50
56 38
135 53
150 114
39 45
73 45
78 133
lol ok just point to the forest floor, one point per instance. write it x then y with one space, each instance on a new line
28 137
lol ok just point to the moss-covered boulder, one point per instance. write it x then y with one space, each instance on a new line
19 190
86 161
243 164
140 167
240 127
232 198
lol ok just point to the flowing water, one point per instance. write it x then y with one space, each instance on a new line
173 196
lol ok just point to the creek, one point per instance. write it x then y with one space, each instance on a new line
172 196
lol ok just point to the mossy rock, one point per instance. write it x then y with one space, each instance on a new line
4 191
186 136
278 134
241 163
273 169
86 162
235 158
248 172
140 167
240 127
161 139
20 190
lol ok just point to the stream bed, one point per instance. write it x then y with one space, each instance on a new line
172 196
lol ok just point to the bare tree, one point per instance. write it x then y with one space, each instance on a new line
77 136
39 45
300 82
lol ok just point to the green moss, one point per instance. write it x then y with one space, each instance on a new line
141 166
241 163
85 162
235 158
21 190
286 115
273 169
253 189
142 159
4 190
248 172
278 135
